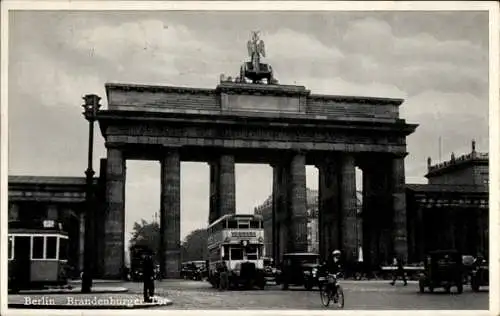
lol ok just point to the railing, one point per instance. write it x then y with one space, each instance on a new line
453 161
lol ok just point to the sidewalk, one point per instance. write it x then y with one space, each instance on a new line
84 301
75 290
79 281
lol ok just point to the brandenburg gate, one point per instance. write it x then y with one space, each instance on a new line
254 119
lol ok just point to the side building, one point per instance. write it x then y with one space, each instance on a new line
451 210
34 199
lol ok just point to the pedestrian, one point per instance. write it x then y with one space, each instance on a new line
398 264
224 277
148 278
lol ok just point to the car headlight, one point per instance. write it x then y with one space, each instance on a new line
307 272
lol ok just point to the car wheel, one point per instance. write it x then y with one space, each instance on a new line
474 285
308 285
421 286
284 286
460 288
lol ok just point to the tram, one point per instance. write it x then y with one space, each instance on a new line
37 255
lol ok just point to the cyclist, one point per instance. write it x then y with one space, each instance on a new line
334 266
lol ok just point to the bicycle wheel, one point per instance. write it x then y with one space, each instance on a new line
339 297
325 295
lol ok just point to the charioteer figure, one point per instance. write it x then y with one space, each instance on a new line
254 70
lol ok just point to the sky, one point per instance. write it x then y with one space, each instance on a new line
436 61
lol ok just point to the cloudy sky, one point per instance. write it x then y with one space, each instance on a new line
436 61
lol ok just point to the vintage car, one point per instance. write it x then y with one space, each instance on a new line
468 267
299 269
479 275
269 269
194 270
442 269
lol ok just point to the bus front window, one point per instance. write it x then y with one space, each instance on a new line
225 255
236 254
252 252
255 224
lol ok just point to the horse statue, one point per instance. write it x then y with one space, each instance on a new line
254 69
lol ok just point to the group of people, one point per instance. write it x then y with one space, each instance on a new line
334 265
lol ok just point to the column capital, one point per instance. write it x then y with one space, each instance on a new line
399 155
169 149
114 145
327 160
297 151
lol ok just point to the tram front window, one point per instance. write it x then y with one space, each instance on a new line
37 247
63 249
51 247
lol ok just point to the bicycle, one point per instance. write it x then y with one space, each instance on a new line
327 293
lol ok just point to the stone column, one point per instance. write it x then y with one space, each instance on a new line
283 214
227 187
298 204
369 234
328 208
52 212
170 228
481 222
348 215
114 226
419 233
275 209
13 212
81 240
214 190
400 244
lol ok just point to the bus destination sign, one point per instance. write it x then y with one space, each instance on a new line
244 234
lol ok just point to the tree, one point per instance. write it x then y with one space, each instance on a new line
195 246
146 234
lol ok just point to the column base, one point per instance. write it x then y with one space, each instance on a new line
172 264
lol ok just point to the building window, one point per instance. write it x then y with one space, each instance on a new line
37 249
51 247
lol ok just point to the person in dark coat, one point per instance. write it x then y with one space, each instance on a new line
334 264
148 271
399 271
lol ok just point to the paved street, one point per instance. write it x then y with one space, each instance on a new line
366 295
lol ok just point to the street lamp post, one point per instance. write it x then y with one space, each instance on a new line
90 109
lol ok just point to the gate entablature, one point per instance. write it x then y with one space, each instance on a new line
243 99
252 116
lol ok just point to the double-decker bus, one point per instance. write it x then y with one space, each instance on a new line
37 254
236 246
